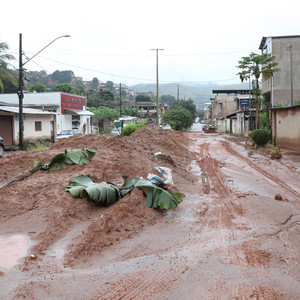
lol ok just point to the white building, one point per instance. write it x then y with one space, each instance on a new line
70 110
38 124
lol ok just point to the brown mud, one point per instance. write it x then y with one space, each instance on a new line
228 239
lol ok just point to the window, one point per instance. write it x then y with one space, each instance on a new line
38 126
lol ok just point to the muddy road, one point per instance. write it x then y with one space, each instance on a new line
229 239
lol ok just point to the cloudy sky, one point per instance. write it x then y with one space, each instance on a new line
112 40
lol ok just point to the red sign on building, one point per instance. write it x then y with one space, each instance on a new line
72 102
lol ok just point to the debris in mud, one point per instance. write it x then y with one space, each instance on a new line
165 158
278 197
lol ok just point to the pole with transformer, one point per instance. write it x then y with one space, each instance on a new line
157 88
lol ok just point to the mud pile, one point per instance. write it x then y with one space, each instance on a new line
40 207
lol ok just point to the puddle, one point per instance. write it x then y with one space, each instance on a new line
12 248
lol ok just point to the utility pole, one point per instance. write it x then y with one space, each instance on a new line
177 92
157 92
21 96
290 48
120 100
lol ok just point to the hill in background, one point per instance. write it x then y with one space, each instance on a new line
199 93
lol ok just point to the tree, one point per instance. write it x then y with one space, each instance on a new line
167 99
63 76
38 87
255 65
95 83
179 118
66 88
127 110
6 74
110 86
105 112
106 96
142 98
187 104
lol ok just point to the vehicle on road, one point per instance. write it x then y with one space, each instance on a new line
1 147
67 133
122 122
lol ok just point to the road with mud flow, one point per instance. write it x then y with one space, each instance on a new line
229 239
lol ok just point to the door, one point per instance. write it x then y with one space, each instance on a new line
6 130
52 131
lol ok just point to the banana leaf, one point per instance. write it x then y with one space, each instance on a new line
156 196
75 156
103 193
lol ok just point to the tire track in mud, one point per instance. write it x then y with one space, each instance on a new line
214 185
275 179
244 255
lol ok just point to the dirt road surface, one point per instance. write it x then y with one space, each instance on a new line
229 238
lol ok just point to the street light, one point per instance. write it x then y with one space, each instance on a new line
157 95
20 90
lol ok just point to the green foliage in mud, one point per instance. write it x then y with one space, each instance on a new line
74 156
106 194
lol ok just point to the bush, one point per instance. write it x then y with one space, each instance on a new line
260 137
179 118
129 129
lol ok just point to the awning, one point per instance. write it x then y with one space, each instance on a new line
69 111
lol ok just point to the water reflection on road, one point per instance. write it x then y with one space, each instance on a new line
196 127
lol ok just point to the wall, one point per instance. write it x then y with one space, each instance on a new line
29 127
286 127
282 79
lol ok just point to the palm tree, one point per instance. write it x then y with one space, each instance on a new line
6 74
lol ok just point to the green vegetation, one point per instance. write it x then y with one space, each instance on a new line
256 65
103 193
65 88
142 98
105 112
8 81
179 118
129 129
38 87
260 137
187 104
75 156
106 194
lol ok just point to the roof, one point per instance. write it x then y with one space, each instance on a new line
263 40
240 92
78 112
286 107
31 111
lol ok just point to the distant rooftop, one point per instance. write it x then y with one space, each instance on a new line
236 92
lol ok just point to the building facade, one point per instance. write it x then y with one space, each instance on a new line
284 86
70 110
38 124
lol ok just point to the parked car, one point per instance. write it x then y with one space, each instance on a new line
1 147
67 133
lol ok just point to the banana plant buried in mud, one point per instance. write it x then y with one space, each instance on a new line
74 156
106 194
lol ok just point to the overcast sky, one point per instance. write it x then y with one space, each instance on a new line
112 40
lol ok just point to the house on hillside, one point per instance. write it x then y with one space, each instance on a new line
70 110
38 124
